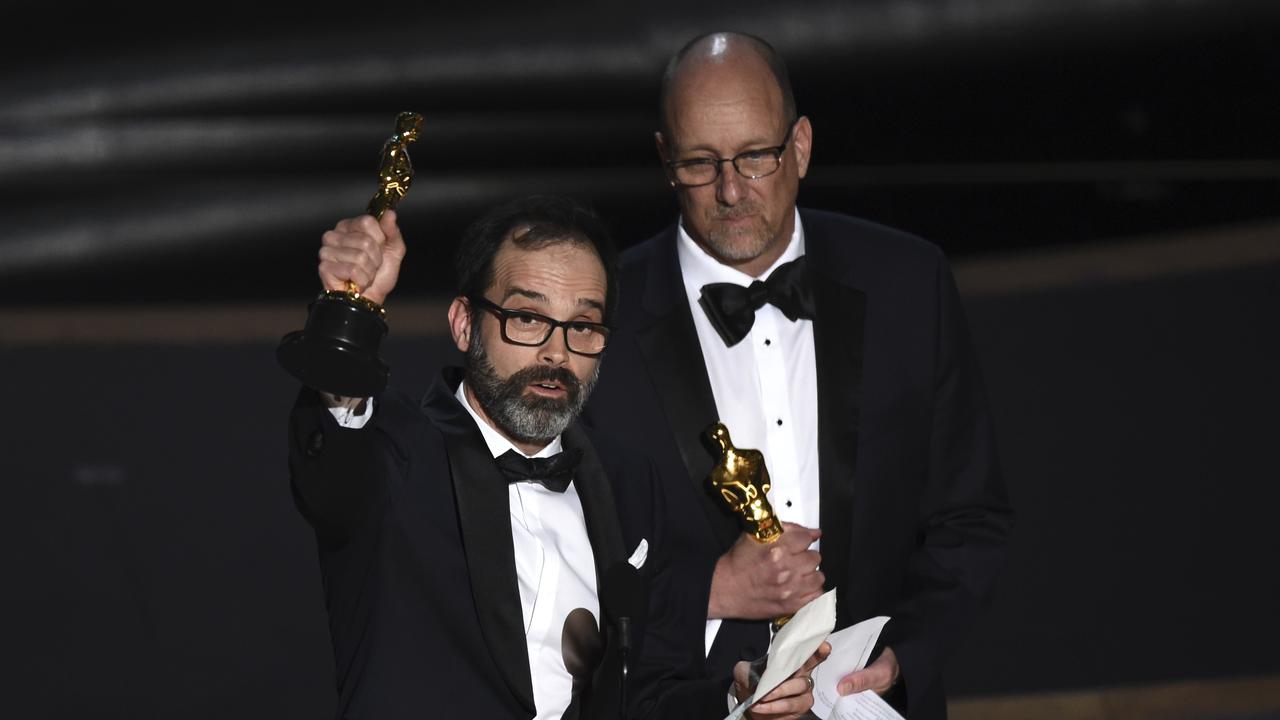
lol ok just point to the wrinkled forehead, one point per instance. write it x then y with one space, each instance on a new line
556 268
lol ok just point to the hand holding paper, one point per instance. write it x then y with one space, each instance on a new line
790 700
795 645
850 650
792 646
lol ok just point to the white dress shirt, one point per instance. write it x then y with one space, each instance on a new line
555 566
765 387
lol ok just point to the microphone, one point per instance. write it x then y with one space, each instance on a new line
625 597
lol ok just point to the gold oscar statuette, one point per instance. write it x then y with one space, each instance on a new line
337 350
741 479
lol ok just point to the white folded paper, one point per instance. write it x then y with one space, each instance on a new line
866 705
799 639
850 650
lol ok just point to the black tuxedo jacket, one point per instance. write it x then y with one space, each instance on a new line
913 511
412 521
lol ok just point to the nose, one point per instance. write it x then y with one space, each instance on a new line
729 184
555 351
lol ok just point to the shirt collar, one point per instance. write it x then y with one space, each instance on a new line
494 439
698 267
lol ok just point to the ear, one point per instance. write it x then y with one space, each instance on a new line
802 144
460 323
660 143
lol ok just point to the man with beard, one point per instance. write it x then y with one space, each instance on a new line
837 347
463 539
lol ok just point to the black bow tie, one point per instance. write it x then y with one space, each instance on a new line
732 308
553 473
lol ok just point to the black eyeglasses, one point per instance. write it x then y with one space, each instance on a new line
521 327
750 164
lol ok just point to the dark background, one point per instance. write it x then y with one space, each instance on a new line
135 148
190 162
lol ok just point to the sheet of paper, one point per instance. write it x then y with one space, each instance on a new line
866 705
792 645
850 650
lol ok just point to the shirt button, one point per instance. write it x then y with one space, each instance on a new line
779 421
767 341
788 503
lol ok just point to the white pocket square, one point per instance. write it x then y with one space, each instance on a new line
640 554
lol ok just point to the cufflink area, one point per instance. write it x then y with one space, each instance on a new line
315 443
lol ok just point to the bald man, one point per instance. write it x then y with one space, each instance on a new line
837 347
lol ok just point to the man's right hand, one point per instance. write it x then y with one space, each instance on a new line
365 251
789 701
763 581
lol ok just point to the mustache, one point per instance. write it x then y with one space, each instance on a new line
735 212
535 374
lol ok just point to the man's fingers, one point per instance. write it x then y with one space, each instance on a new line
796 538
369 225
392 239
800 532
342 263
356 257
741 680
363 250
854 682
789 698
770 580
335 275
869 678
357 248
788 688
786 707
817 657
363 225
790 527
359 240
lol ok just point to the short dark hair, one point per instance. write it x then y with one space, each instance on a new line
777 68
550 220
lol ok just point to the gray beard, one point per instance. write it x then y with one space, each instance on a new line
738 246
526 419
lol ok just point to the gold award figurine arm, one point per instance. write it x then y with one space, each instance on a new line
395 175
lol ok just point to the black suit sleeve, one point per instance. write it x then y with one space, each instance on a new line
341 477
965 517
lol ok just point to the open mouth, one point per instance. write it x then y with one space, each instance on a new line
548 388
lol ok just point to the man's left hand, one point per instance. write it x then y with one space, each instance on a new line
879 676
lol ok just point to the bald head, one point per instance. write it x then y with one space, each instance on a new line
747 57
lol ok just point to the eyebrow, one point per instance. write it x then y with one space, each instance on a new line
539 297
531 294
681 155
585 302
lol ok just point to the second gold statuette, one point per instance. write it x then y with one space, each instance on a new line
742 481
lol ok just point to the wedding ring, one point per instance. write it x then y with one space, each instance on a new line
810 679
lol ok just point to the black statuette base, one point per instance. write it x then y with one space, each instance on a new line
337 351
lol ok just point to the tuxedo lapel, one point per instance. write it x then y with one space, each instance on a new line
669 345
837 336
480 490
598 505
